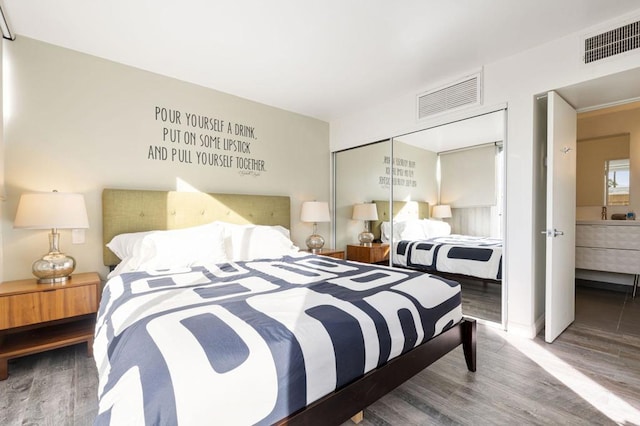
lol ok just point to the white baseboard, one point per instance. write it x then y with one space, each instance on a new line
523 330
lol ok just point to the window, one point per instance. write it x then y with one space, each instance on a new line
617 182
468 176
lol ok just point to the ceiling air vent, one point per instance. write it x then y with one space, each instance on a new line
613 42
464 92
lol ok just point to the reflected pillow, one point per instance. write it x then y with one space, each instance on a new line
436 228
385 231
412 229
415 229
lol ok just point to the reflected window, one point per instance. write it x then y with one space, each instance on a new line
617 182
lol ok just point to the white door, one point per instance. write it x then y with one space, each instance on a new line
561 216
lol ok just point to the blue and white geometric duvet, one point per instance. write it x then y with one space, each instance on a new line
479 257
252 342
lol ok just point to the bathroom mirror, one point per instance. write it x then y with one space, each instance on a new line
617 185
603 171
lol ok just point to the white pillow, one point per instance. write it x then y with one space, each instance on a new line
125 245
436 228
412 229
385 231
415 229
249 242
178 248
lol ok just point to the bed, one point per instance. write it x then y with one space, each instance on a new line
261 335
427 245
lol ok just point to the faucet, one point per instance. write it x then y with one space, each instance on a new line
603 216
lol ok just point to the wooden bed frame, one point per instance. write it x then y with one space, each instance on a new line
139 210
346 402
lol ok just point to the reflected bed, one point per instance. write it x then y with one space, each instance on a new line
427 245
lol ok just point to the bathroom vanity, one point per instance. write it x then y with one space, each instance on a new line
610 246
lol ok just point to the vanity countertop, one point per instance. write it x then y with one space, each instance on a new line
609 222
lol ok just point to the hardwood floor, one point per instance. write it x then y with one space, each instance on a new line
590 375
50 388
482 299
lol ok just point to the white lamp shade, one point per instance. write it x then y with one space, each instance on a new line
367 211
441 211
44 210
315 211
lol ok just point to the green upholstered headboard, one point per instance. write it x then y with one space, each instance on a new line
401 210
126 211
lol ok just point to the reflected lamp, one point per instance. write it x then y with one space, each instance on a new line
441 211
315 211
52 210
366 212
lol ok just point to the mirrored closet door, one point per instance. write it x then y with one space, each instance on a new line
447 187
361 175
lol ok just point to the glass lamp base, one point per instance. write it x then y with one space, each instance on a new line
53 267
315 243
365 238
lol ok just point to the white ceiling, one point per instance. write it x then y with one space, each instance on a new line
478 130
322 58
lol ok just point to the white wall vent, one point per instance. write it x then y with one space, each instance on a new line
462 93
612 42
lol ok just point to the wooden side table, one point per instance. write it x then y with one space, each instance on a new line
39 317
335 253
376 253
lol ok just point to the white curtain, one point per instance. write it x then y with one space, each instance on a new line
468 177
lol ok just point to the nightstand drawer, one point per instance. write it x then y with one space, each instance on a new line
375 253
335 253
338 254
47 305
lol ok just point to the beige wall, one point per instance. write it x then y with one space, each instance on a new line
78 123
2 190
358 180
614 121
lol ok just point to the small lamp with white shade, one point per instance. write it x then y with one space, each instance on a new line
315 211
441 211
52 210
365 212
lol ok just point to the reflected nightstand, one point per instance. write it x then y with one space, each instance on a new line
376 253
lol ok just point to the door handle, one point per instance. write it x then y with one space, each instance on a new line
550 233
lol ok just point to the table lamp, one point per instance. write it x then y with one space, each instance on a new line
366 212
441 211
52 210
315 211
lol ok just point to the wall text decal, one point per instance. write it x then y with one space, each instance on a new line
402 170
190 138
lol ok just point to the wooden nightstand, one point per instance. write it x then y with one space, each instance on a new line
39 317
338 254
376 253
